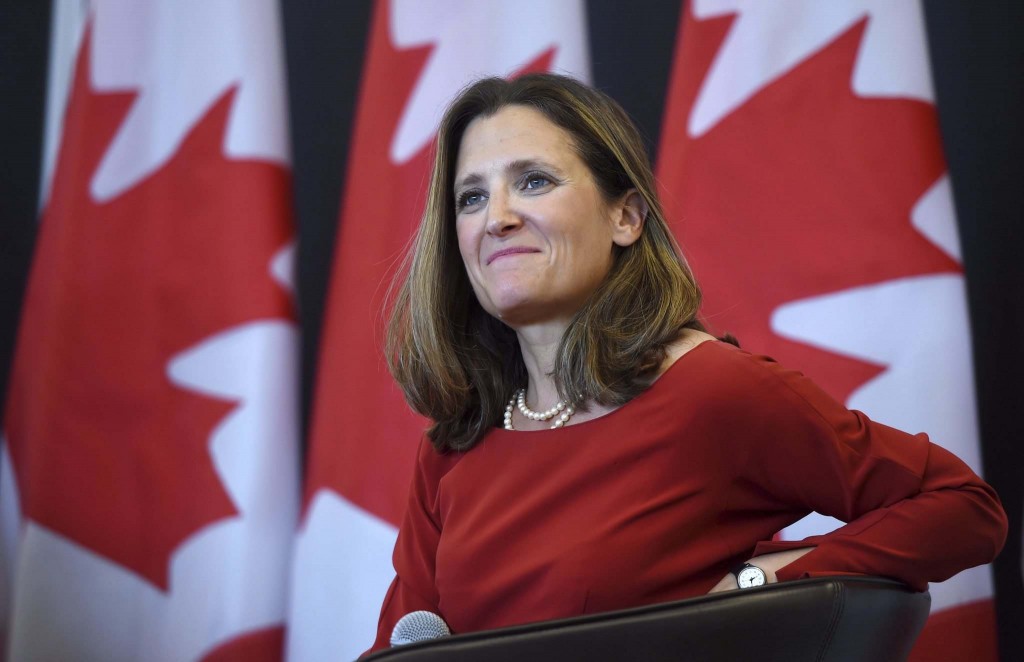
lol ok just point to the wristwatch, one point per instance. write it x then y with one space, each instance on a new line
749 576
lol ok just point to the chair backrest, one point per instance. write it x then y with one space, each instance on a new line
828 619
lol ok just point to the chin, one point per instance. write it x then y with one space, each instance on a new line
525 314
522 306
508 303
513 315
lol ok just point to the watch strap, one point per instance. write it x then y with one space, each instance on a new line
739 566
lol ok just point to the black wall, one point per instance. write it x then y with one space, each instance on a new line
24 48
977 52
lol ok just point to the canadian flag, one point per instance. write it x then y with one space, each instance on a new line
363 436
802 163
150 466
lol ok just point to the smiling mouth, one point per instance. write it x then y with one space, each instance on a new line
510 251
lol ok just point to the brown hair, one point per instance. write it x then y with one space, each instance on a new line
456 363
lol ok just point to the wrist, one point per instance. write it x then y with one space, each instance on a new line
748 575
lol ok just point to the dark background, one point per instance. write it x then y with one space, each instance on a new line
977 52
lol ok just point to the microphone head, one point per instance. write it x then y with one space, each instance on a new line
418 626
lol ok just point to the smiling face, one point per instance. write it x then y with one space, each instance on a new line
534 230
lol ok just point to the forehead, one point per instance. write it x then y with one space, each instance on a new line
513 133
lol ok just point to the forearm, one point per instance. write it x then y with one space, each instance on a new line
925 539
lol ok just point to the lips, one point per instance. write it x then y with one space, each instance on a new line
510 251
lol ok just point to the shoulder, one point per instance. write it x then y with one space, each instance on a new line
730 380
716 354
702 357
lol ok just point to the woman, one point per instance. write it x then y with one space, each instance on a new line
592 447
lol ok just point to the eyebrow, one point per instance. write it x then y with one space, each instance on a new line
517 166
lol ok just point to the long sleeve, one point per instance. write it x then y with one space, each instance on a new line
413 588
914 511
657 500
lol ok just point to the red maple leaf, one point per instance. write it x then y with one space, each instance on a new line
106 450
363 433
803 190
263 645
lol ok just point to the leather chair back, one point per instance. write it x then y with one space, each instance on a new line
829 619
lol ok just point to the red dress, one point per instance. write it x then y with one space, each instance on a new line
657 500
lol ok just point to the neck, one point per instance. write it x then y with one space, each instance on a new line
538 344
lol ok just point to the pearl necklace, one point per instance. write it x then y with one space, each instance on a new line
519 399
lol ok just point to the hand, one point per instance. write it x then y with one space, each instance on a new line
767 562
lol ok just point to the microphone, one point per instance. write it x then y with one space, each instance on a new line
418 626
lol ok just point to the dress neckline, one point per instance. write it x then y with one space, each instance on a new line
521 434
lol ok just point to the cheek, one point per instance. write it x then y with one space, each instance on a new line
467 245
591 248
469 250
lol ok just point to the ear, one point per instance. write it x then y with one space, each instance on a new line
630 214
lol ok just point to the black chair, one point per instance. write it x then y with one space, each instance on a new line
828 619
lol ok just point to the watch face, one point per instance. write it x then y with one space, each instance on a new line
750 576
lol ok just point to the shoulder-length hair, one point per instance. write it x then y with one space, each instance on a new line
457 364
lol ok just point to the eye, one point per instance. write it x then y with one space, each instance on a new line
467 199
535 181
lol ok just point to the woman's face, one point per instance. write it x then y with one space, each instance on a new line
534 230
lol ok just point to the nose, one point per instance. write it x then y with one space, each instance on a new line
502 217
